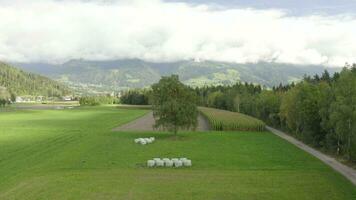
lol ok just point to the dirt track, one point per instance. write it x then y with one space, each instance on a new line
146 123
348 172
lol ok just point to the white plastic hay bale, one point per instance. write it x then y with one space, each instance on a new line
137 140
175 159
187 163
150 163
165 159
183 159
143 142
178 163
156 159
159 163
168 163
148 141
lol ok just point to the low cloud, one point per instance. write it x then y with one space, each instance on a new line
56 31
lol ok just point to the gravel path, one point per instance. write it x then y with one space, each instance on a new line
146 123
348 172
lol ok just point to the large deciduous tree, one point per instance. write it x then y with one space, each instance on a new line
174 105
343 112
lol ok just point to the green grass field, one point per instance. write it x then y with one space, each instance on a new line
73 154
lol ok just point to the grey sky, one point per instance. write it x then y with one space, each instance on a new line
297 7
158 30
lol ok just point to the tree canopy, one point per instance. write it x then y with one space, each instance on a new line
174 105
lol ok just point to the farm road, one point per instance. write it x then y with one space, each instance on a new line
348 172
146 123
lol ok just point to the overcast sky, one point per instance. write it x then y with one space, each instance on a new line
298 32
295 7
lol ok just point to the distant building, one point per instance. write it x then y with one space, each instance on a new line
67 98
23 99
19 100
40 98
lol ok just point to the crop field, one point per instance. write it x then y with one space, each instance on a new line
74 154
222 120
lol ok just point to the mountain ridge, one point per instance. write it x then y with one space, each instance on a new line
135 73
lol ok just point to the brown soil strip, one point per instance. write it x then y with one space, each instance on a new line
146 123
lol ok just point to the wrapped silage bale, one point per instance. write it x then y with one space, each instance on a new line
165 159
159 163
183 159
156 159
187 163
168 163
150 163
178 163
143 142
137 140
175 159
148 141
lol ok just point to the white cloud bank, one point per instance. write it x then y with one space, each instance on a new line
56 31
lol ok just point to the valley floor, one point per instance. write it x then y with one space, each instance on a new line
74 154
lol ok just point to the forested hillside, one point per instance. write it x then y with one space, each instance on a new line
17 82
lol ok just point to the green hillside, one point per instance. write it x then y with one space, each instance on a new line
18 82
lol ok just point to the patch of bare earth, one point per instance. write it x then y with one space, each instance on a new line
146 123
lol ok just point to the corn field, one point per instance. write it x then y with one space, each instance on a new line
221 120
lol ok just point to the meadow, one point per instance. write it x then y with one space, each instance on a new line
74 154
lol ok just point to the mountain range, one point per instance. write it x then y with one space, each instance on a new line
105 76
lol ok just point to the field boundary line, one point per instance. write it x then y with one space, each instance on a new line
346 171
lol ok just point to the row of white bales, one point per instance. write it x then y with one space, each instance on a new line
164 162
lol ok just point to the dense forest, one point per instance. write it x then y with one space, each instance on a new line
319 110
15 82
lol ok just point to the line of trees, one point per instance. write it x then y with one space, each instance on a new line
320 110
135 97
97 100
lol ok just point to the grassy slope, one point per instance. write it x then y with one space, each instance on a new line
72 154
